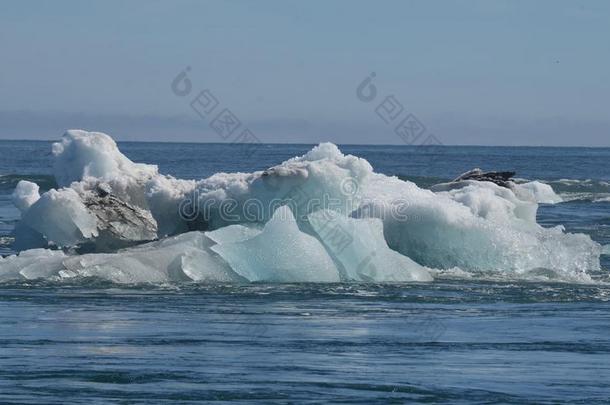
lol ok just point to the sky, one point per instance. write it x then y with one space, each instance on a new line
468 72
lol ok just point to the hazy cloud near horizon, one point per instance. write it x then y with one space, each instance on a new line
450 130
472 72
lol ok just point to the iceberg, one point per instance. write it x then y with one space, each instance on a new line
91 158
31 264
481 227
233 233
533 191
101 202
537 192
124 221
182 258
25 195
280 253
359 246
61 217
69 218
323 177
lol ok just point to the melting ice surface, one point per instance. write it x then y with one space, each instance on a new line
281 252
320 217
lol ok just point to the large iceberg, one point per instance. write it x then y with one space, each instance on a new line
124 221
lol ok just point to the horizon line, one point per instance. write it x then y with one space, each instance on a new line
317 143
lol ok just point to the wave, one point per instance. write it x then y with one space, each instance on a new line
587 190
8 182
576 186
537 275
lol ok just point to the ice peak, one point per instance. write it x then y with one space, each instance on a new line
82 154
325 150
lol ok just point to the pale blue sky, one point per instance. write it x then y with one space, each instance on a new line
473 72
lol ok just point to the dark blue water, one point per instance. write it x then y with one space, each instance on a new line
450 341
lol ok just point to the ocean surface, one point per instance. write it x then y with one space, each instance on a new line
449 341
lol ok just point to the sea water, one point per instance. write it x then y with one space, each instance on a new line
456 339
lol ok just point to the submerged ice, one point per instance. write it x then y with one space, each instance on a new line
320 217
